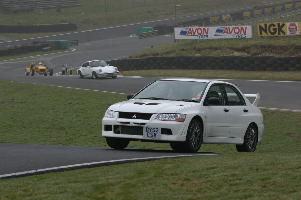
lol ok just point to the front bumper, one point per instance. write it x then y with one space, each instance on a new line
177 131
107 75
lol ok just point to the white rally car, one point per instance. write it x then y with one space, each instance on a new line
186 113
97 69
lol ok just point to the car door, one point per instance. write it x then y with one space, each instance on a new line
89 69
217 116
84 68
238 111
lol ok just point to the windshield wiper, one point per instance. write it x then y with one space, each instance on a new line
154 98
188 100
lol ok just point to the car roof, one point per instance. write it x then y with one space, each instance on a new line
193 80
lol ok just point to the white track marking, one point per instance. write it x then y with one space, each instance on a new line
95 164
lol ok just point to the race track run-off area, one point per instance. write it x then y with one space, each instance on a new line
28 159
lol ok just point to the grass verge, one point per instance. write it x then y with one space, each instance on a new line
29 54
221 74
95 13
49 115
286 46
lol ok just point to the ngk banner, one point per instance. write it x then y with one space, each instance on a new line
198 32
279 29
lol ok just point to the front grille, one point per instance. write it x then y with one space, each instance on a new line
128 130
129 115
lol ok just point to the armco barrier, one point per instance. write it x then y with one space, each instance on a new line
37 28
265 63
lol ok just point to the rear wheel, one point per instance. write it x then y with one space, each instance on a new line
27 73
250 140
194 139
117 143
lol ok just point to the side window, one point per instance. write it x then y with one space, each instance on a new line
85 64
216 91
234 98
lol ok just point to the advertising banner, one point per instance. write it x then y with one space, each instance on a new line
293 28
278 29
218 32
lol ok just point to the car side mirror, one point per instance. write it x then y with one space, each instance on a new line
212 101
129 96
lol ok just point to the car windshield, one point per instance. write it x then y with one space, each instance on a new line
98 63
190 91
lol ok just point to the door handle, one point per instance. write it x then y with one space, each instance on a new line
245 110
226 110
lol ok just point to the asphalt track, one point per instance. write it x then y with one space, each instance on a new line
30 159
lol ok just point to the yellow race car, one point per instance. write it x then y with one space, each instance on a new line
38 68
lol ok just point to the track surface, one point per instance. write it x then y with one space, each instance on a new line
27 159
19 158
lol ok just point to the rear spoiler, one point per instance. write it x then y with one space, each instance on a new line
256 96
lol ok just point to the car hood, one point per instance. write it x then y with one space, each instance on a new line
153 106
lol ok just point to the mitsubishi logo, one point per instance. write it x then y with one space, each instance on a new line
134 116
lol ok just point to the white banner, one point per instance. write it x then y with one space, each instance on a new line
198 32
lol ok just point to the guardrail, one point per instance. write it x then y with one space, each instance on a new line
250 63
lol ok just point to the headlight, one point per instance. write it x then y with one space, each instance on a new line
116 69
110 114
171 117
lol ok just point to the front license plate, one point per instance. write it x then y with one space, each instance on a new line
152 133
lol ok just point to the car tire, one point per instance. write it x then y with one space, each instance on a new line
27 73
117 143
250 140
32 72
94 75
50 72
45 74
80 74
194 139
114 77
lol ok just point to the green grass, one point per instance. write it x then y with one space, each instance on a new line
50 115
287 46
221 74
29 54
96 13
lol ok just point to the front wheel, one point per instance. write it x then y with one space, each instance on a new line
194 139
50 72
117 143
94 75
80 74
250 140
